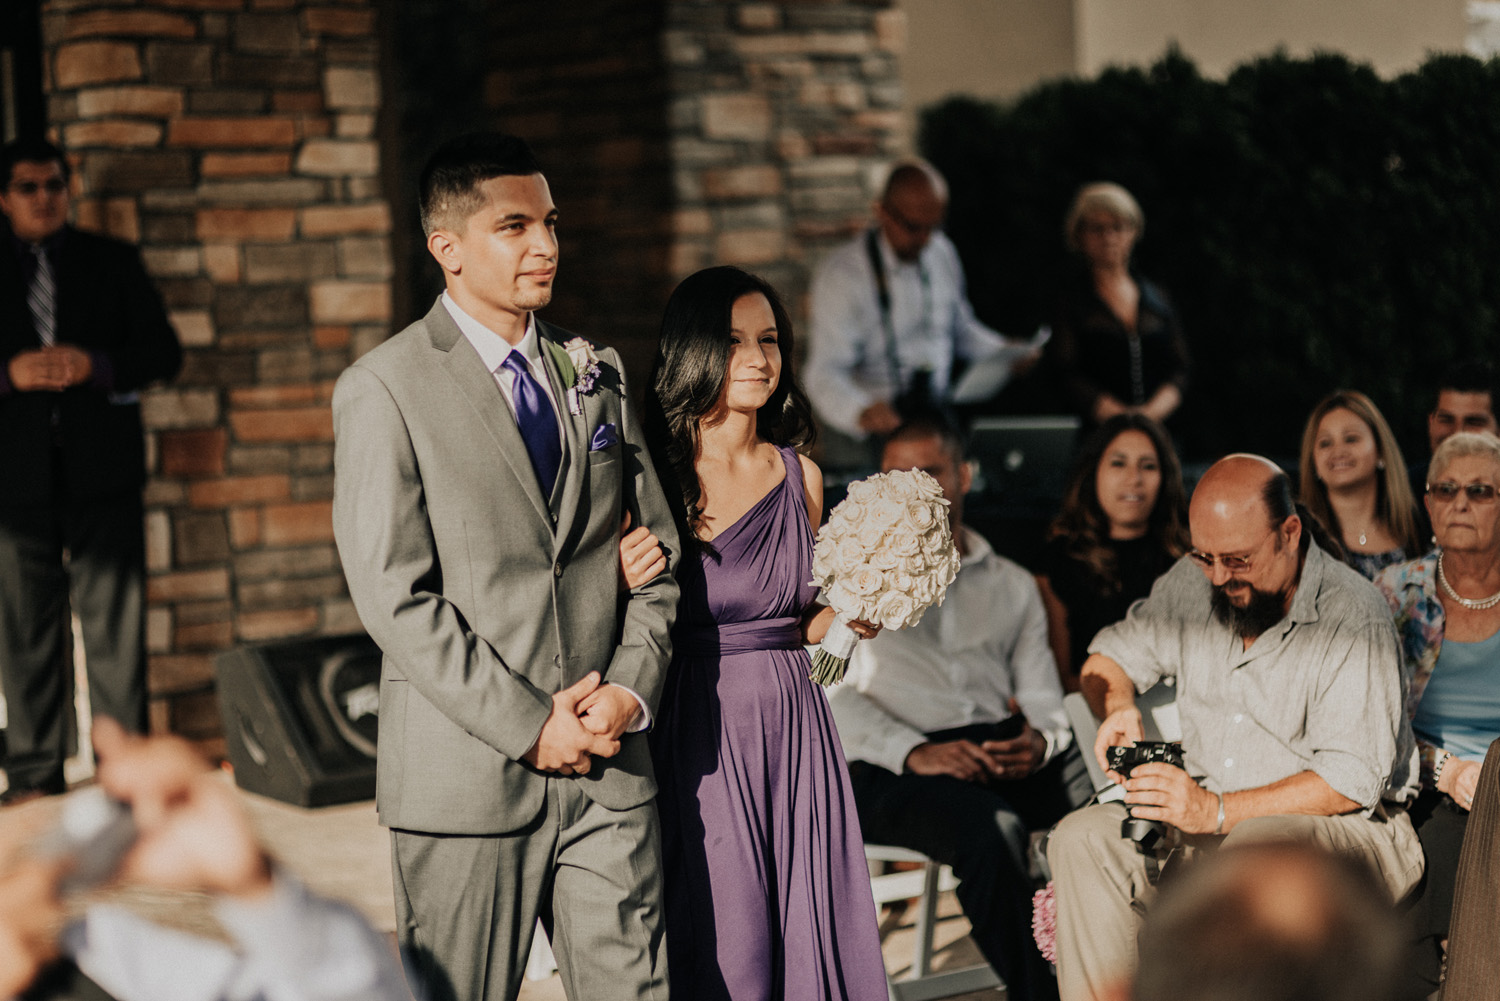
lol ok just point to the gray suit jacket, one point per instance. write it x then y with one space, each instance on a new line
484 596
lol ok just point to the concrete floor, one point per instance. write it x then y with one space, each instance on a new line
343 852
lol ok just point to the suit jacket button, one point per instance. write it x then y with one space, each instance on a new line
557 569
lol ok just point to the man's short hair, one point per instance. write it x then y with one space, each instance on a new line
933 424
30 149
449 190
1271 922
1470 376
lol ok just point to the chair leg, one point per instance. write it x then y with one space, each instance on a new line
926 921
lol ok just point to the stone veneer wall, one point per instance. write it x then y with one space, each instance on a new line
785 117
234 140
687 133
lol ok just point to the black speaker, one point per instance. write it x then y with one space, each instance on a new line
300 718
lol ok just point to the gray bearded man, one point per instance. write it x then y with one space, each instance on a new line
1290 692
481 481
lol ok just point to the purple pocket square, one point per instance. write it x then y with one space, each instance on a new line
604 436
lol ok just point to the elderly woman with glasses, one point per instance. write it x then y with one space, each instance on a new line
1116 344
1447 610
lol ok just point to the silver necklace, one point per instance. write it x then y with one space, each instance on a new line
1476 604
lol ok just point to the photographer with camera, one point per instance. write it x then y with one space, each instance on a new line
1290 694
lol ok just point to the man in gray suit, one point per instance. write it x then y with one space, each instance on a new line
482 472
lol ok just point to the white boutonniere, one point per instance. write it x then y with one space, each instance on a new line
580 370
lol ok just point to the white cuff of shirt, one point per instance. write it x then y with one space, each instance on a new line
643 721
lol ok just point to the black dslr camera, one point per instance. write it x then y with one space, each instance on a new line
1122 759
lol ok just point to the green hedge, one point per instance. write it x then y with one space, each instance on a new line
1317 226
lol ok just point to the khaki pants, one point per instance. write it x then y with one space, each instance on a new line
1103 887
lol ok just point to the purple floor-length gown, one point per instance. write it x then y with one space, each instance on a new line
767 892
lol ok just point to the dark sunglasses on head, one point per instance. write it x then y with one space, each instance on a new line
54 186
1446 490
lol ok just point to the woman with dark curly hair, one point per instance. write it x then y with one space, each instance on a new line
767 894
1123 522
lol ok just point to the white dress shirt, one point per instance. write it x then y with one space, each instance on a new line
847 368
494 349
986 643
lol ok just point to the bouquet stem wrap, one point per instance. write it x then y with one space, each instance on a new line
834 653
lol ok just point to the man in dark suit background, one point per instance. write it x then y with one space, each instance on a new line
81 331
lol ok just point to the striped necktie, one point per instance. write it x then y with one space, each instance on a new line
42 297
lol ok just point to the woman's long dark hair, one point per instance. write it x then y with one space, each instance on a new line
687 377
1083 523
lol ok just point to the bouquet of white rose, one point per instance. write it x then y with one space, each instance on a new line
885 556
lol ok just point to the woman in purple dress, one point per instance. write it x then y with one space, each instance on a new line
767 891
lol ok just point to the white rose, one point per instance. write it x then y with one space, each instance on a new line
849 553
851 511
580 353
870 535
866 581
921 516
894 609
904 544
841 598
884 557
885 511
900 581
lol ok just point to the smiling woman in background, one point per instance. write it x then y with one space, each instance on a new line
1354 480
1123 523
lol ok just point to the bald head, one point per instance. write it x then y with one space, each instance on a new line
912 207
1233 491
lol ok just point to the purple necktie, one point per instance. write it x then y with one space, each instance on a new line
537 422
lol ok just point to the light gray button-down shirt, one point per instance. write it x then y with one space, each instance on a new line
961 664
1320 691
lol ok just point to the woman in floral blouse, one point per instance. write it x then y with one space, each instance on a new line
1447 610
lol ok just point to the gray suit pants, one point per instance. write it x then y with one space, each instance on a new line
466 906
1103 888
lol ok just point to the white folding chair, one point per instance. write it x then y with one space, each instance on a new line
1158 706
924 883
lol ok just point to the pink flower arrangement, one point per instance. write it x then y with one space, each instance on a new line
1044 922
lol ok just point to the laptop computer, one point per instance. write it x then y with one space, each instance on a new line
1023 461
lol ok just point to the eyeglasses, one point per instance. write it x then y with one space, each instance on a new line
913 228
53 186
1104 228
1447 490
1238 563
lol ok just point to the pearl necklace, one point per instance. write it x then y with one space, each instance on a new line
1476 604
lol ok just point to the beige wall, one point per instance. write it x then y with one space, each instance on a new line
999 48
984 48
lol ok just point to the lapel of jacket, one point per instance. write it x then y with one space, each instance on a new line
575 428
466 369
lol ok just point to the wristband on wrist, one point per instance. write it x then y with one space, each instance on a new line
1437 769
1219 827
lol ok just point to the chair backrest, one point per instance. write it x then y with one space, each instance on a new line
1158 705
